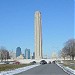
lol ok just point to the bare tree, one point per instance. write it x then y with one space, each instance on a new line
69 48
63 54
4 54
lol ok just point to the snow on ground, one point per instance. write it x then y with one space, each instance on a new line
71 70
67 69
2 63
16 71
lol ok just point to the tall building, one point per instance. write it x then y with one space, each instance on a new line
33 55
54 55
38 35
27 53
18 51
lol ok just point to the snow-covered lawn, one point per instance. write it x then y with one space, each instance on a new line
67 69
71 70
2 63
16 71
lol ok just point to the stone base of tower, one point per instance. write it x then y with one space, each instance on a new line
38 58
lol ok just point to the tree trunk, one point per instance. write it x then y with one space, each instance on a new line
72 57
64 58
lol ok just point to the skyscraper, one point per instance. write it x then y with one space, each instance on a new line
27 53
18 51
38 35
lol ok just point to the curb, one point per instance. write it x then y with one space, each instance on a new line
65 69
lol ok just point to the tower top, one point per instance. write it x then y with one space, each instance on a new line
37 12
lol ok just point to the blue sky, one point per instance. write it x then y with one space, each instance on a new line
17 23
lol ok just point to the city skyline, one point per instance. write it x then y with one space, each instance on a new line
17 24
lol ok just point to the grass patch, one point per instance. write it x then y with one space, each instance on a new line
70 66
6 67
69 63
73 67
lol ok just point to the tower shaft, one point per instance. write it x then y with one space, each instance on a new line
38 35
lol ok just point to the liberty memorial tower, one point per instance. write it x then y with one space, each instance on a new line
38 35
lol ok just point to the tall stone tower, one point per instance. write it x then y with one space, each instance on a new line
38 35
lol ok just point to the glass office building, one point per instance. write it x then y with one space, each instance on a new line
18 51
27 53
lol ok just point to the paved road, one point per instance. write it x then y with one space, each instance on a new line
48 69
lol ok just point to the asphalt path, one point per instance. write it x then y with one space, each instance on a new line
47 69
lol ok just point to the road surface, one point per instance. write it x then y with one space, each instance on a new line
47 69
